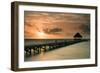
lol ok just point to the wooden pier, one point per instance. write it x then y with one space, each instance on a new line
34 47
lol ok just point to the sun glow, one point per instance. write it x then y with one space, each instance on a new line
41 34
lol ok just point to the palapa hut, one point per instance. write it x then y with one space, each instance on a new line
78 36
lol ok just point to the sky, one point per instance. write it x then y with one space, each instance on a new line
51 25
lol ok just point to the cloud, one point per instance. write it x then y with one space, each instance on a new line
62 24
53 30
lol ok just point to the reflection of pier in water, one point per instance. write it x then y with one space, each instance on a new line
35 47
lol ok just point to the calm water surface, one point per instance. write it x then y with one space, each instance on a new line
76 51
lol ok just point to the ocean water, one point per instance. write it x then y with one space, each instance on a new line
79 50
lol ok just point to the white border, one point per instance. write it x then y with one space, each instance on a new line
23 64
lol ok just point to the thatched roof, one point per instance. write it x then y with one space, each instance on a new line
78 35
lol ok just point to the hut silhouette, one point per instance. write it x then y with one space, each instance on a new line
78 36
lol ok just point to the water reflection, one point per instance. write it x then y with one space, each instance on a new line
42 55
77 51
